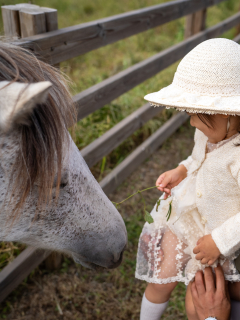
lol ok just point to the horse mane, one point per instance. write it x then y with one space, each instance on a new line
41 143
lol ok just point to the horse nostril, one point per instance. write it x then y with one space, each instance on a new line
118 257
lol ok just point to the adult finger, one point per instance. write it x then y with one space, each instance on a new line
209 280
194 291
220 280
227 290
199 281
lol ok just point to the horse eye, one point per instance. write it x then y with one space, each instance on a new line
64 180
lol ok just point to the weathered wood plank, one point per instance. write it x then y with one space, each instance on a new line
16 271
102 93
51 18
70 42
237 39
10 15
32 21
102 146
11 23
195 23
125 168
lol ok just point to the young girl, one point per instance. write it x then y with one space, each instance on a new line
204 190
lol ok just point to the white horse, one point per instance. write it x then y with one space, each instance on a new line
48 196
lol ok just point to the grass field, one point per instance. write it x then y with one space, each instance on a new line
93 67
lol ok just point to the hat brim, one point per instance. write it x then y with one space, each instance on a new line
175 97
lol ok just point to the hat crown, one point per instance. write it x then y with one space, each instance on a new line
212 68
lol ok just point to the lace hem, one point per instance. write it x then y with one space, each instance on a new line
162 281
175 97
186 281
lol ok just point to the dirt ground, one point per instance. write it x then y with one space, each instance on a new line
74 292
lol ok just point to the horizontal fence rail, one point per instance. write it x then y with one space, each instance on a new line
67 43
104 92
127 166
102 146
17 270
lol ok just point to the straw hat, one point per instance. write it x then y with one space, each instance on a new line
207 80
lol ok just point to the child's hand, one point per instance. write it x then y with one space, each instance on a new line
171 179
206 250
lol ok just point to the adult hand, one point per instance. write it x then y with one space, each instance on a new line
206 250
210 299
170 179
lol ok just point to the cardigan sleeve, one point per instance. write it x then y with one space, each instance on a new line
227 235
187 162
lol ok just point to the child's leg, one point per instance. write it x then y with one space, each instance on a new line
156 296
159 293
155 300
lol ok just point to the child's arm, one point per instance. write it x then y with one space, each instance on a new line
170 179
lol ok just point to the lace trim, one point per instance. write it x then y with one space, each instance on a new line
213 146
175 97
162 281
186 281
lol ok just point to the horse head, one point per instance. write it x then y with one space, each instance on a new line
48 196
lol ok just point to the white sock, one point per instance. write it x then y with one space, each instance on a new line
152 311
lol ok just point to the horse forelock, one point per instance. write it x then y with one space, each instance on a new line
41 143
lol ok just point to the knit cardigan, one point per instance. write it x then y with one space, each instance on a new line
218 190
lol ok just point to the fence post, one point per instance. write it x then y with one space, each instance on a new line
195 23
24 20
32 22
237 30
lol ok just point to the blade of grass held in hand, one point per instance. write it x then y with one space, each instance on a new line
169 211
148 218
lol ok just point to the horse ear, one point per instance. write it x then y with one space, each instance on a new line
17 101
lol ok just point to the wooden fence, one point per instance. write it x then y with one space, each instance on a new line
56 46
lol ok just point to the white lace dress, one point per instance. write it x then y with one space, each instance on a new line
165 249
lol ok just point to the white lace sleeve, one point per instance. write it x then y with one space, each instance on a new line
227 235
187 162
